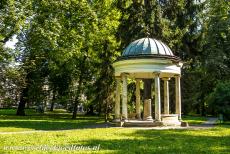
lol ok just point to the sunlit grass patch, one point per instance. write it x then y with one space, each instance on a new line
125 140
194 119
111 140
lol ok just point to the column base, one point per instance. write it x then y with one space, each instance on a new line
170 120
116 120
138 117
149 118
158 123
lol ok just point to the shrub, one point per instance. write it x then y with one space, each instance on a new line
219 99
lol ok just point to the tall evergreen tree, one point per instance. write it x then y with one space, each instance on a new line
216 56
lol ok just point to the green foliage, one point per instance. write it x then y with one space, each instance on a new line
214 59
63 43
178 24
101 92
12 14
70 46
217 45
219 99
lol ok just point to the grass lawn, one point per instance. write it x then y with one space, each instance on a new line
126 140
194 120
57 120
111 140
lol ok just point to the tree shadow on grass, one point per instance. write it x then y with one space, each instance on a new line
46 121
48 117
46 125
164 141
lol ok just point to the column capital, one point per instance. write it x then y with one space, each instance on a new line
156 74
138 79
177 75
118 78
124 74
165 79
179 64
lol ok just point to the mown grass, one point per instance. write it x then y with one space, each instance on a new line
57 120
111 140
194 120
125 140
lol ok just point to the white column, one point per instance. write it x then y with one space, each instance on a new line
138 99
166 95
124 97
117 102
157 99
178 96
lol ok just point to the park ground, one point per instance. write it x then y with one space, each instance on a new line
56 133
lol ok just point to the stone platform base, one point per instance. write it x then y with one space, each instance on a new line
166 120
137 123
170 120
141 123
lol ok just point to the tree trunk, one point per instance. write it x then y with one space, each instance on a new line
21 108
99 107
203 112
22 102
106 111
79 90
53 100
76 102
107 104
90 110
198 109
52 106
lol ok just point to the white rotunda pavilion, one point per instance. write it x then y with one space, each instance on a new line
148 58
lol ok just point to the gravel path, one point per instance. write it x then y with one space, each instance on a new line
210 123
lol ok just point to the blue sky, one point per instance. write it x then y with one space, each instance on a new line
11 43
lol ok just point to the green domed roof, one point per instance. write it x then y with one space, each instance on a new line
147 47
